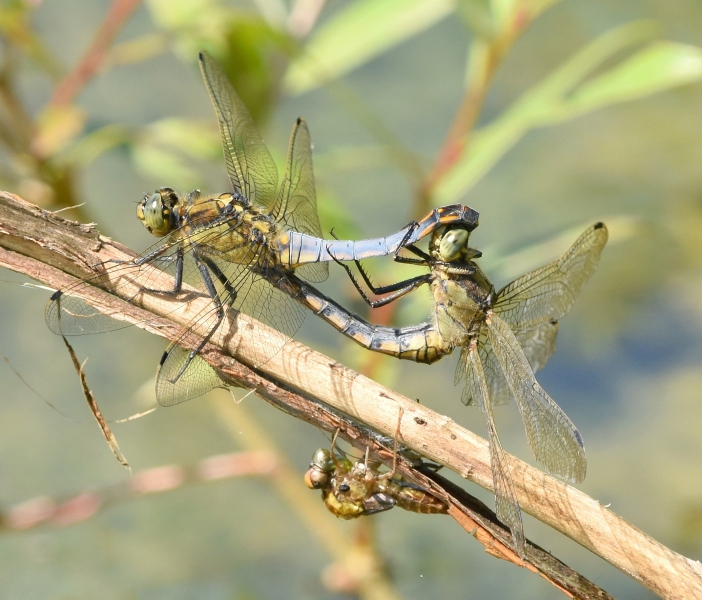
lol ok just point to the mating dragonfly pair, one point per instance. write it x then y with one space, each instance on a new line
256 249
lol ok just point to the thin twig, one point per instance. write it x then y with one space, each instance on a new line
61 512
485 58
320 391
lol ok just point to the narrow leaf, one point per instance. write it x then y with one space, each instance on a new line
94 408
659 66
568 93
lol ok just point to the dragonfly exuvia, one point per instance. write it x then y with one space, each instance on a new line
355 489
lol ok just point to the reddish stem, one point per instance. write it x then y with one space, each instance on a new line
117 16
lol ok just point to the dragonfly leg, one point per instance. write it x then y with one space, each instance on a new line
332 451
177 284
222 278
426 259
391 474
396 290
212 292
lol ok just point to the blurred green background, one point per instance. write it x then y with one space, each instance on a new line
576 111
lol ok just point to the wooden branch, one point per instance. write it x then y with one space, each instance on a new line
321 391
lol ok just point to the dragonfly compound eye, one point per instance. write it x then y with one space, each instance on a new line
452 243
316 479
155 214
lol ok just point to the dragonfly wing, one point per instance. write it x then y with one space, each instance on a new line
538 344
239 288
532 305
378 502
548 293
68 314
497 384
553 438
296 207
506 505
498 389
274 308
250 165
174 387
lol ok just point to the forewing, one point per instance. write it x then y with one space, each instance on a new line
68 314
246 291
250 165
296 207
506 505
548 293
553 438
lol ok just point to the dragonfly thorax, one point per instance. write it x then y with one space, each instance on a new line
460 289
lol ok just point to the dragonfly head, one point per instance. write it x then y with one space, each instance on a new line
156 211
320 471
451 245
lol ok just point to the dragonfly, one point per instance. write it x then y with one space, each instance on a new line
236 248
356 489
504 337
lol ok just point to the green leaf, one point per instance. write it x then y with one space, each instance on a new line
164 165
97 142
181 14
660 66
571 91
194 138
359 33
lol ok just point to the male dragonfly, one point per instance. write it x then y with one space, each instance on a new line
504 338
231 247
356 489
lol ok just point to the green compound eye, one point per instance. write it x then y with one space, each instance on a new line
155 215
452 243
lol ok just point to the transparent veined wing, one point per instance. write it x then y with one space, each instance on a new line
552 437
296 206
532 304
498 390
250 165
548 293
538 344
506 505
173 387
247 290
68 314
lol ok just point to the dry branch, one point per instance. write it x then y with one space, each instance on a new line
321 391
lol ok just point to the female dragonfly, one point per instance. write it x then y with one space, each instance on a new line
504 337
